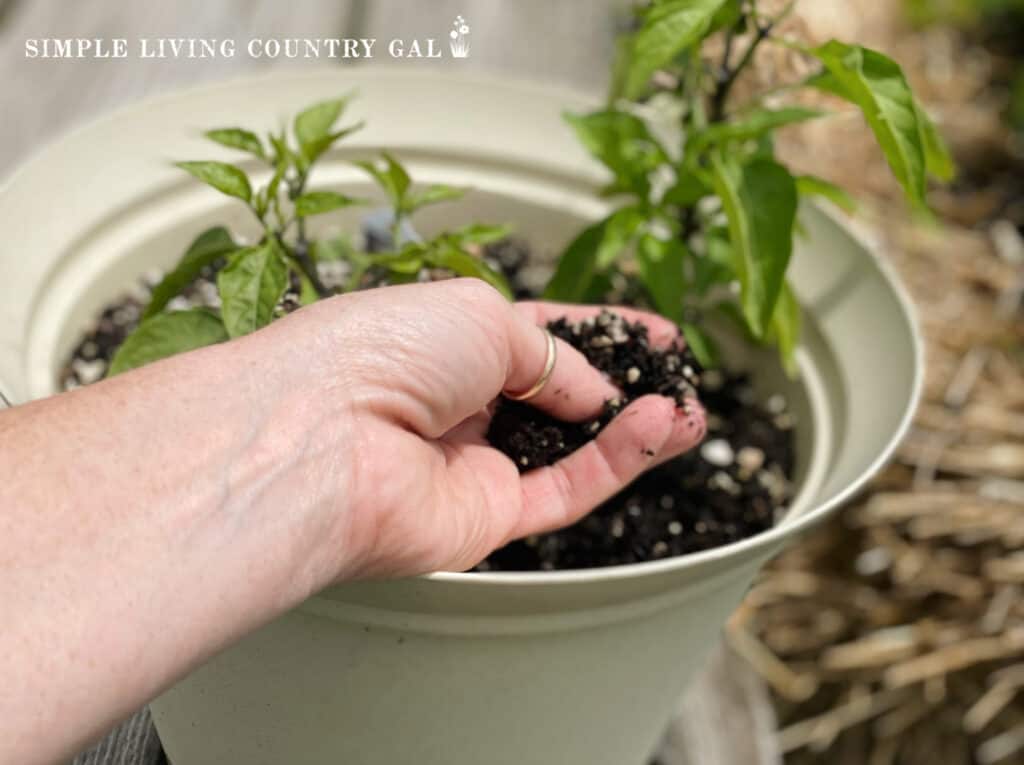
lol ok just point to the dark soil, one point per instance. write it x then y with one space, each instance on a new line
729 488
621 351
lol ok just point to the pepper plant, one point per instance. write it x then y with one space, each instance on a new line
705 220
253 279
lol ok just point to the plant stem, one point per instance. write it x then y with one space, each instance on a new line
263 223
727 74
300 256
689 224
396 230
723 70
300 253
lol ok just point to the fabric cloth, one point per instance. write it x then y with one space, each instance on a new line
133 742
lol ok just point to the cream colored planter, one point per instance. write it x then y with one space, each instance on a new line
580 668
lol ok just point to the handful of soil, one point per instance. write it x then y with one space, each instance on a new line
725 490
622 351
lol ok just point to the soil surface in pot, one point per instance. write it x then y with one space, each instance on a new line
730 487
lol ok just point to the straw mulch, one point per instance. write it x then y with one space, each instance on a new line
895 634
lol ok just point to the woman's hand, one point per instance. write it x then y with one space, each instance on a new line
412 370
151 519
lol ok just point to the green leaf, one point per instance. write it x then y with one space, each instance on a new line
408 260
312 151
307 291
876 84
592 251
716 265
701 344
577 267
668 27
403 277
206 248
409 266
601 286
315 123
432 195
624 144
283 155
462 263
260 202
728 16
785 328
227 179
688 189
316 202
250 286
938 161
167 334
623 225
479 233
750 126
813 186
392 178
765 147
760 201
660 263
237 138
268 195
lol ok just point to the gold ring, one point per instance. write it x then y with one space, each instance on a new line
549 367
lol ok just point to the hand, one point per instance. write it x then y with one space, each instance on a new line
416 368
217 489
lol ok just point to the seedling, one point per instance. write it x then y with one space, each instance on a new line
254 278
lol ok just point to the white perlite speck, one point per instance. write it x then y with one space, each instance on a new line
750 458
89 371
724 482
718 452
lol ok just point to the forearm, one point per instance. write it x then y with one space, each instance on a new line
149 520
144 523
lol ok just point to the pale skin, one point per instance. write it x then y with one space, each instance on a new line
150 520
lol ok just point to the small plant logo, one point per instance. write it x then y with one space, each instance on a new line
459 35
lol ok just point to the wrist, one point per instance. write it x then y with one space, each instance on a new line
291 471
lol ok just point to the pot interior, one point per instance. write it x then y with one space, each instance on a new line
98 208
545 209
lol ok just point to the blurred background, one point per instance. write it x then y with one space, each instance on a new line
896 633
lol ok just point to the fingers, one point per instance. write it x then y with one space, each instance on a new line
575 390
660 331
649 431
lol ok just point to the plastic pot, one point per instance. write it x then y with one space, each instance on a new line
579 667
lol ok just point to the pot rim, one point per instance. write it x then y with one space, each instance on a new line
567 97
365 73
